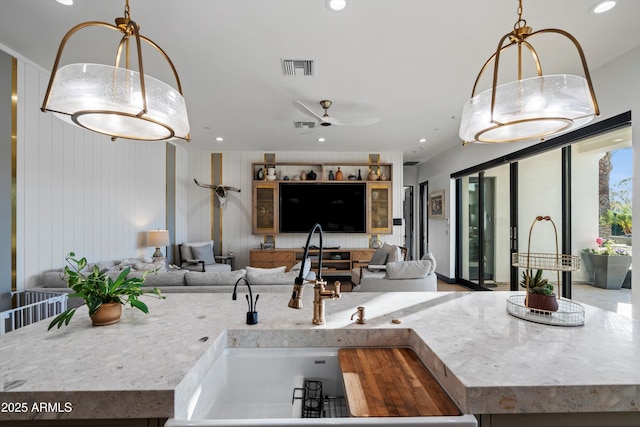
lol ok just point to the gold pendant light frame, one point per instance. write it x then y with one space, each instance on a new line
519 38
128 28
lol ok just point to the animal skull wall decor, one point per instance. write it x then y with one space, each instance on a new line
219 190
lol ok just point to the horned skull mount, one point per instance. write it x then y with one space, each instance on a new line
219 190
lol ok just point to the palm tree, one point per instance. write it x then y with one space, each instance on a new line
604 201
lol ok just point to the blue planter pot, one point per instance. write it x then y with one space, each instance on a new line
609 272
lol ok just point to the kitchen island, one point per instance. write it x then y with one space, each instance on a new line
492 364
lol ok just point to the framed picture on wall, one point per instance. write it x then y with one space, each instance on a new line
436 205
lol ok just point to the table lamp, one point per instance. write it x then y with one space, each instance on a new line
157 239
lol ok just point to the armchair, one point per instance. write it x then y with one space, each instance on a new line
199 256
391 272
378 262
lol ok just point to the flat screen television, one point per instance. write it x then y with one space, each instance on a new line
338 208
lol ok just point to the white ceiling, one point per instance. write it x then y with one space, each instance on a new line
410 62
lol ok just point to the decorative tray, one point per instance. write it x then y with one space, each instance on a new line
569 313
546 261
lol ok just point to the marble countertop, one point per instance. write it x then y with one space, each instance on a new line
489 362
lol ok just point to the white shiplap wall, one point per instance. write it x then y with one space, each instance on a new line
236 215
79 191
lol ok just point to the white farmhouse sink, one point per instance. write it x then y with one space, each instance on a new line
254 387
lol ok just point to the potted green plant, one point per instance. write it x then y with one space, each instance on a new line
540 293
103 295
608 264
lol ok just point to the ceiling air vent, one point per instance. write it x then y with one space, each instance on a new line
410 163
304 125
298 67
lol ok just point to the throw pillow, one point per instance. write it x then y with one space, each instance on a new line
395 254
204 253
269 276
185 249
157 266
307 268
408 269
214 278
257 270
185 253
380 256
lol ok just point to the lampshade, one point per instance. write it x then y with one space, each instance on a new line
114 100
530 108
157 238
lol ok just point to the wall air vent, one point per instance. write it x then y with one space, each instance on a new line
304 125
298 67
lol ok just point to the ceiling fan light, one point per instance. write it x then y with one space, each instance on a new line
108 100
528 109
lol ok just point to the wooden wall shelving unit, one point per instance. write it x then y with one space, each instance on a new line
379 192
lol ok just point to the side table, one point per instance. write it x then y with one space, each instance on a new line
226 259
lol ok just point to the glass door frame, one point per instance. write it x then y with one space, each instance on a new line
423 241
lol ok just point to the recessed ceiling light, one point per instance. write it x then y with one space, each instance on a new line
422 140
618 140
603 6
65 2
219 139
321 140
336 5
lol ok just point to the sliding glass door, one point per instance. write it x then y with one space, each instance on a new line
484 208
469 237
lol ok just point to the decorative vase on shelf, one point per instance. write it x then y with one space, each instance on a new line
359 175
331 176
311 176
303 175
260 175
383 177
339 175
372 176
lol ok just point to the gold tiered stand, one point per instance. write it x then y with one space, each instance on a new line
569 313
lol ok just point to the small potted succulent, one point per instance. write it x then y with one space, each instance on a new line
540 293
104 295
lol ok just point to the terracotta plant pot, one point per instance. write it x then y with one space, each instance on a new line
542 302
107 314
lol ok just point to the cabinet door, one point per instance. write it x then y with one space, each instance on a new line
265 208
379 206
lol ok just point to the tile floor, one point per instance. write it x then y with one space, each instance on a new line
616 300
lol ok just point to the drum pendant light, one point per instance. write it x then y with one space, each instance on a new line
115 100
531 108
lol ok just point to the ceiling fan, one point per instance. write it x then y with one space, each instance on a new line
326 120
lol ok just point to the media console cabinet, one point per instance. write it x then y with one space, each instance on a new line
335 262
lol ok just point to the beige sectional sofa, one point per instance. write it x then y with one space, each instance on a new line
187 281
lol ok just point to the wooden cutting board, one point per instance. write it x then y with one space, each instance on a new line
391 382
